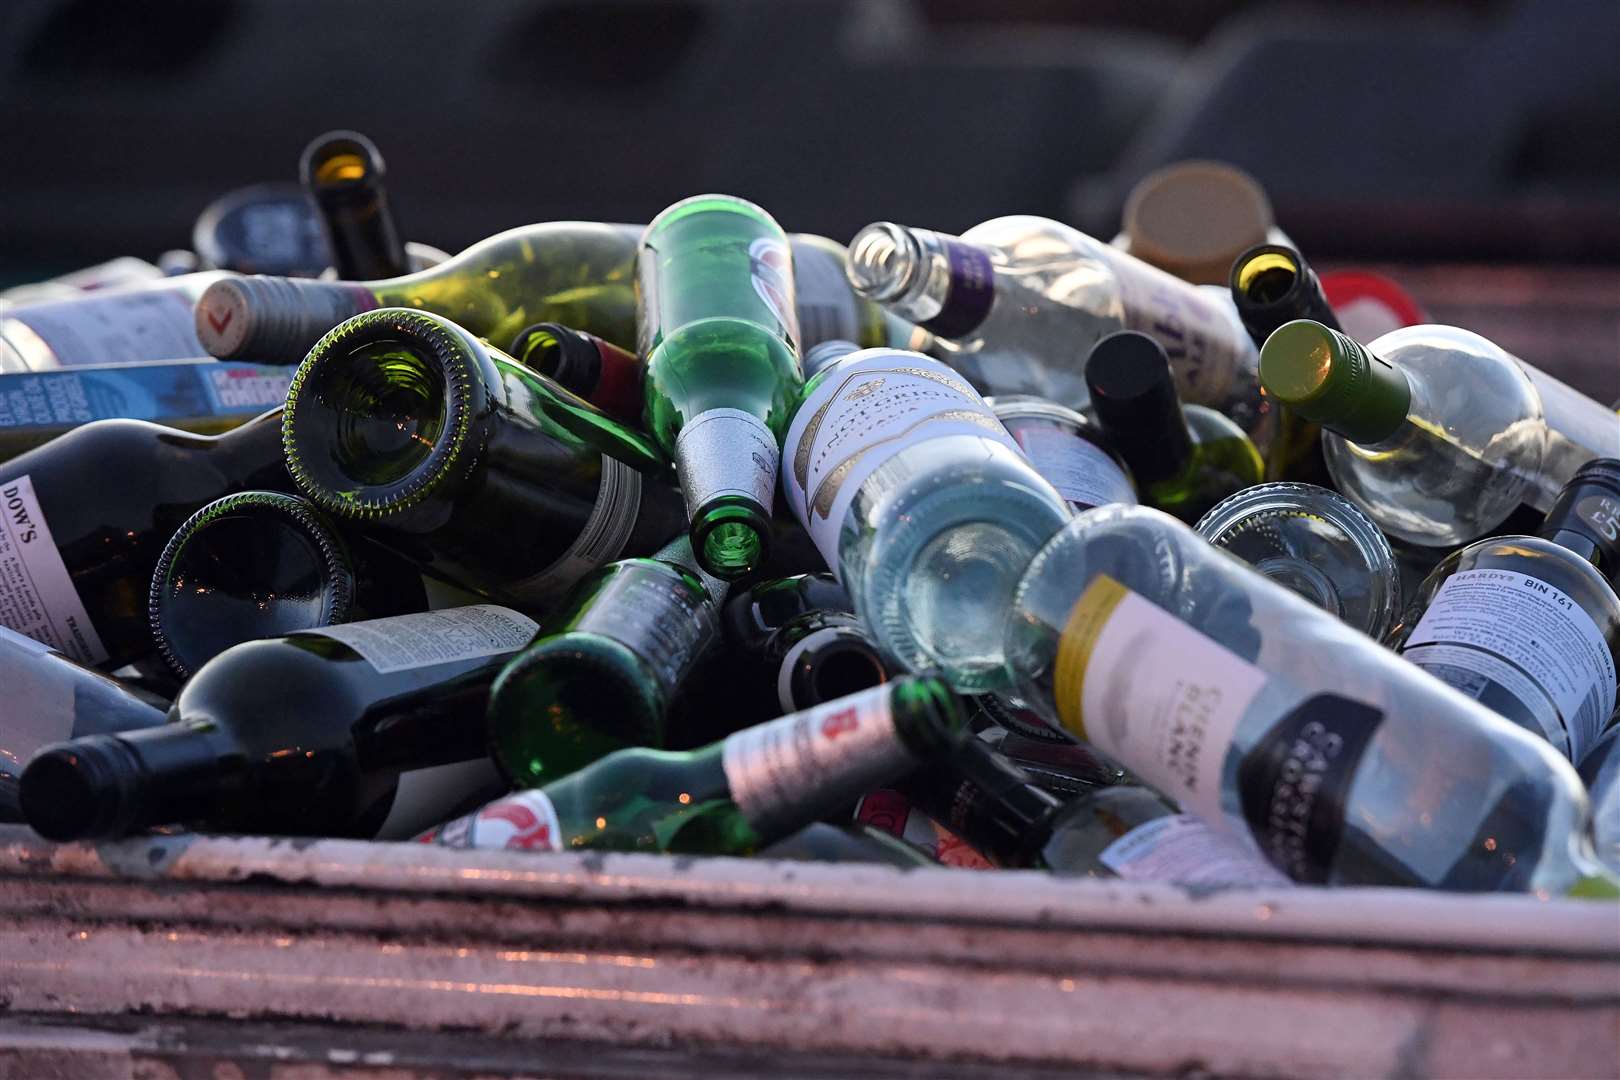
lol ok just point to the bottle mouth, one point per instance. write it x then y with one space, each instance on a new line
78 790
731 537
379 415
884 259
340 160
1265 275
828 664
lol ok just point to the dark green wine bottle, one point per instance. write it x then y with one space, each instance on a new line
262 564
476 469
343 173
602 373
369 729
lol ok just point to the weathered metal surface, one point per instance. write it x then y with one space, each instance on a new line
740 959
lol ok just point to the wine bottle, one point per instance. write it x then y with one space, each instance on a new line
730 798
922 504
1258 712
262 229
753 618
75 569
609 659
855 843
343 172
372 729
1185 458
1192 218
1069 451
1600 768
261 564
135 324
1529 626
115 273
201 396
50 698
473 467
1017 302
890 813
603 374
1435 432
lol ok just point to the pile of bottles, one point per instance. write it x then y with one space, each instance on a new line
1163 559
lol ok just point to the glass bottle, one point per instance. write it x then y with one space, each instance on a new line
1067 450
473 467
608 661
921 503
137 323
1317 544
1185 458
262 229
374 729
753 618
1529 626
1600 768
732 797
1017 302
343 172
603 374
1435 432
75 569
1260 713
261 564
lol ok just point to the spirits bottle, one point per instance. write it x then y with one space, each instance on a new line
1257 712
343 172
1529 625
603 374
923 506
372 729
1435 432
732 797
476 469
1069 451
1185 458
260 564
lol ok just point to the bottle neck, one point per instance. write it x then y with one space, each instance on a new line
1585 518
943 284
274 320
1272 285
1151 434
990 802
251 455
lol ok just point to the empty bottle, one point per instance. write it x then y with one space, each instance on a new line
137 323
343 172
1068 450
602 373
1600 768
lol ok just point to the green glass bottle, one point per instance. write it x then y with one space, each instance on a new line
720 337
732 797
481 472
1185 458
609 659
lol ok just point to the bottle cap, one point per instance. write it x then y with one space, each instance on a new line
1327 378
1588 507
1134 396
1192 219
273 320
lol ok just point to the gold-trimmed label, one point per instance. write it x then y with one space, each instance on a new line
1091 613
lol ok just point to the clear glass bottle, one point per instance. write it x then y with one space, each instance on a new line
1067 450
1600 768
1258 712
921 503
1529 626
1435 432
138 323
1317 544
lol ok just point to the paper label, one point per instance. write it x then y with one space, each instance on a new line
602 540
423 797
663 619
726 452
434 637
37 596
163 392
116 328
523 821
827 305
242 388
1528 638
770 268
1182 850
892 812
1203 343
1082 473
861 415
1152 693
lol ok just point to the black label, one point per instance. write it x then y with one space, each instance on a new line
1295 782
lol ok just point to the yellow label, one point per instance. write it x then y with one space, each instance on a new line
1091 613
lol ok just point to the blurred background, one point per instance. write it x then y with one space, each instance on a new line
1473 143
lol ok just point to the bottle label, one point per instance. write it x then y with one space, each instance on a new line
891 812
783 772
243 388
972 291
661 618
523 821
423 797
165 392
117 328
726 452
37 596
1152 693
1527 637
770 268
602 540
434 637
1082 473
827 305
862 415
1182 850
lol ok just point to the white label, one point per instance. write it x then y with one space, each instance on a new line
117 328
860 416
606 531
827 310
1493 616
1204 344
37 597
424 796
1181 850
523 821
726 452
434 637
1082 473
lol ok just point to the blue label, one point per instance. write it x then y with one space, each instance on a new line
155 392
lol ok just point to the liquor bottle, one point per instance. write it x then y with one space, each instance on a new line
260 564
1069 451
50 698
343 173
1017 302
1316 543
1257 712
605 666
1529 626
732 797
369 729
721 342
1600 768
1435 432
202 396
1192 218
75 569
476 469
923 506
603 374
135 324
1185 458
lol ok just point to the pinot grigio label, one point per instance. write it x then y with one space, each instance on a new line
37 596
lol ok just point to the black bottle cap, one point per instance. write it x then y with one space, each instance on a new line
1133 395
1586 516
80 790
